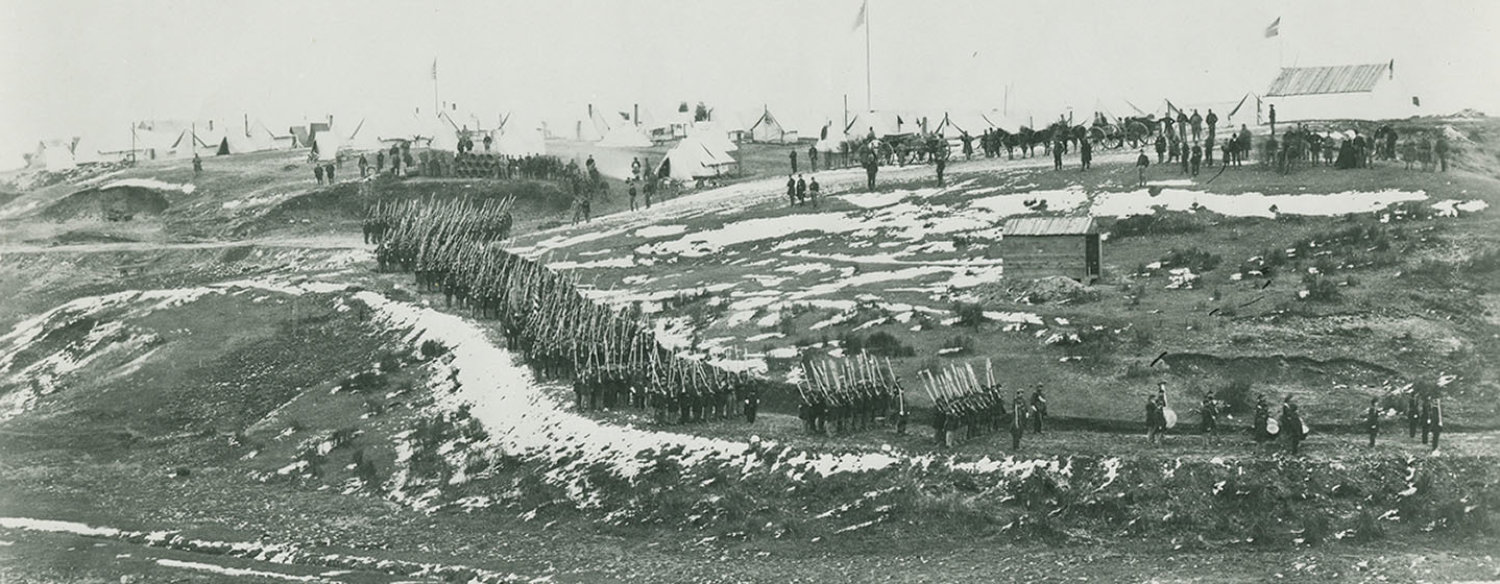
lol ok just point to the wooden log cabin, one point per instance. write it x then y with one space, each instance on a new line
1038 247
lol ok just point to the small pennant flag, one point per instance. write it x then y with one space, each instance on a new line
1274 29
859 19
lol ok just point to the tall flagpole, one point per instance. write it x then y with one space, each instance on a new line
869 105
436 108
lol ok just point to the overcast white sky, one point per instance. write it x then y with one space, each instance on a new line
70 67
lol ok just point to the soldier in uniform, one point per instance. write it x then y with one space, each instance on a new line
1426 415
1413 413
812 190
791 191
1372 419
1435 421
939 419
1143 161
793 156
1213 121
1085 154
752 404
1291 424
1038 409
1441 148
812 158
1210 413
940 157
1017 423
801 190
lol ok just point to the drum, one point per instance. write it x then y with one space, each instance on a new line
1273 427
1171 417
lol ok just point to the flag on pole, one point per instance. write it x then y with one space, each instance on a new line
434 69
1274 29
859 19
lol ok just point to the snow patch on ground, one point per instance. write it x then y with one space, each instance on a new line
1248 204
655 231
151 183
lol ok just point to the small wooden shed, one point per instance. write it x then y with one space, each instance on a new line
1038 247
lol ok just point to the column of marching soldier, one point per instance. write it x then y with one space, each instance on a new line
613 358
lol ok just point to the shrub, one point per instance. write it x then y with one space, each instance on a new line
1196 260
1158 223
431 349
1238 397
969 314
1320 289
1137 371
963 343
880 344
366 382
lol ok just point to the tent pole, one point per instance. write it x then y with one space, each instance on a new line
869 105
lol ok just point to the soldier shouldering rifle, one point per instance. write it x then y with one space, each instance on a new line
848 395
963 406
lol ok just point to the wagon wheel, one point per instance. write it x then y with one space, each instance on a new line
1111 136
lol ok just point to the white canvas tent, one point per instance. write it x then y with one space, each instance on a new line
954 124
328 141
714 136
86 150
54 155
248 137
437 132
521 142
692 159
882 123
767 129
365 137
625 135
